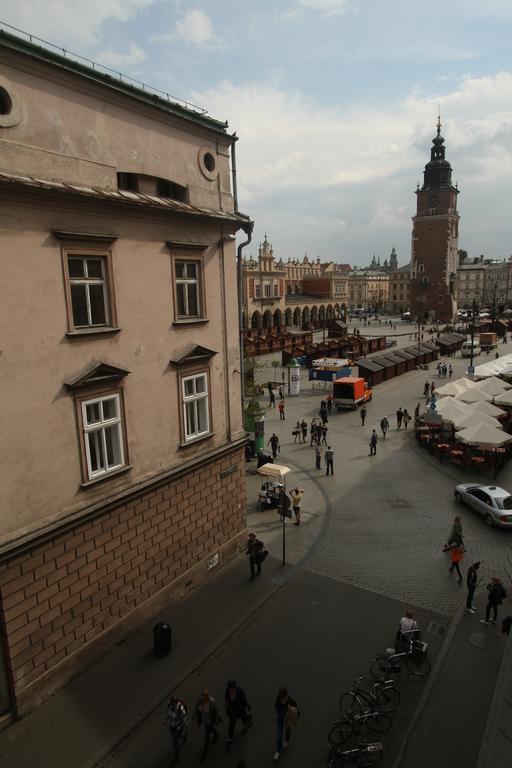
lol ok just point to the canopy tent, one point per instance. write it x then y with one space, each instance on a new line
450 388
487 408
452 410
493 385
504 399
474 419
500 367
484 436
474 396
466 383
273 470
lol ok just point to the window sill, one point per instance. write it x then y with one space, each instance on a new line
92 332
106 476
191 321
196 440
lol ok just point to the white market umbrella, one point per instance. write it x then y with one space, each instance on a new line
474 419
474 396
493 385
273 470
451 409
484 436
504 399
487 408
465 383
450 388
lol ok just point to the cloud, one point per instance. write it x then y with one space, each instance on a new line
116 60
68 21
300 162
324 6
196 28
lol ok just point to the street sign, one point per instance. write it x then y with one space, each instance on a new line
471 369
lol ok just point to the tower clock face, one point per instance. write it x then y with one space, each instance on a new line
432 200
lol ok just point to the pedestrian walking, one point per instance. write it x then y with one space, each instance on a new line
304 430
281 396
417 413
432 388
362 414
207 715
296 495
323 415
497 354
237 708
329 403
497 594
399 417
406 418
373 443
426 390
450 371
287 714
318 456
384 426
329 460
456 555
176 719
324 429
274 444
297 432
280 408
255 550
312 430
455 536
439 369
471 582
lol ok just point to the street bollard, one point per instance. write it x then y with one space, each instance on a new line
162 639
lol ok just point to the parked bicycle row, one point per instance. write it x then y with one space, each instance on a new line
370 707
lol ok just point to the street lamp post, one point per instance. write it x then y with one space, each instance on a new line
473 316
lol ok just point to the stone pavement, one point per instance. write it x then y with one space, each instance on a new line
371 534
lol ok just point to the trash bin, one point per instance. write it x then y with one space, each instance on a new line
162 639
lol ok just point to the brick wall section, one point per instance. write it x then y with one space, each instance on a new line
63 594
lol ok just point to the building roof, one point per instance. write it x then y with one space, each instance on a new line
118 196
109 78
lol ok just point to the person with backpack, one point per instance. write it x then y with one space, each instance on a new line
497 594
177 722
237 708
207 715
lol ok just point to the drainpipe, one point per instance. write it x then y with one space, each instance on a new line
247 228
233 171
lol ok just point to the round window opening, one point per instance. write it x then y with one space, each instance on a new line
209 162
5 102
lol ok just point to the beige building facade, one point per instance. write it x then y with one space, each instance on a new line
305 294
368 290
399 290
123 484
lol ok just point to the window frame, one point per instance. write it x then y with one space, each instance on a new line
92 395
190 254
91 251
183 375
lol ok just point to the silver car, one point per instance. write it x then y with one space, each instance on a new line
495 504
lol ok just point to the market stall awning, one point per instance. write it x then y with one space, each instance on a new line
474 396
487 408
493 385
451 409
500 367
473 419
484 436
451 388
504 399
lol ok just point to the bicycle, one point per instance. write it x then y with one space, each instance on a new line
343 730
383 695
363 755
414 657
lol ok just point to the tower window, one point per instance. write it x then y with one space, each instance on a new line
171 190
128 182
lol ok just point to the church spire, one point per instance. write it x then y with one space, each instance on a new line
438 172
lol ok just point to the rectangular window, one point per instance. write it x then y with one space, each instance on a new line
258 291
266 290
276 289
196 412
88 291
188 289
103 435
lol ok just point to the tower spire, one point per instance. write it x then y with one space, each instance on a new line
438 124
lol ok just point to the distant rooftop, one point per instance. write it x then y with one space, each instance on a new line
42 49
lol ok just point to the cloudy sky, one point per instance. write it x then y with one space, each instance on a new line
334 101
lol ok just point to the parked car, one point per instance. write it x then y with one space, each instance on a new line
495 504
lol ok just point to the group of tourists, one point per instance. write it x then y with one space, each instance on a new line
443 370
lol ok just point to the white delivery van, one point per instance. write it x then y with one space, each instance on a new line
467 346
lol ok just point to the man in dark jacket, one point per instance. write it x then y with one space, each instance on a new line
497 594
254 550
178 726
237 708
287 713
274 444
471 581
